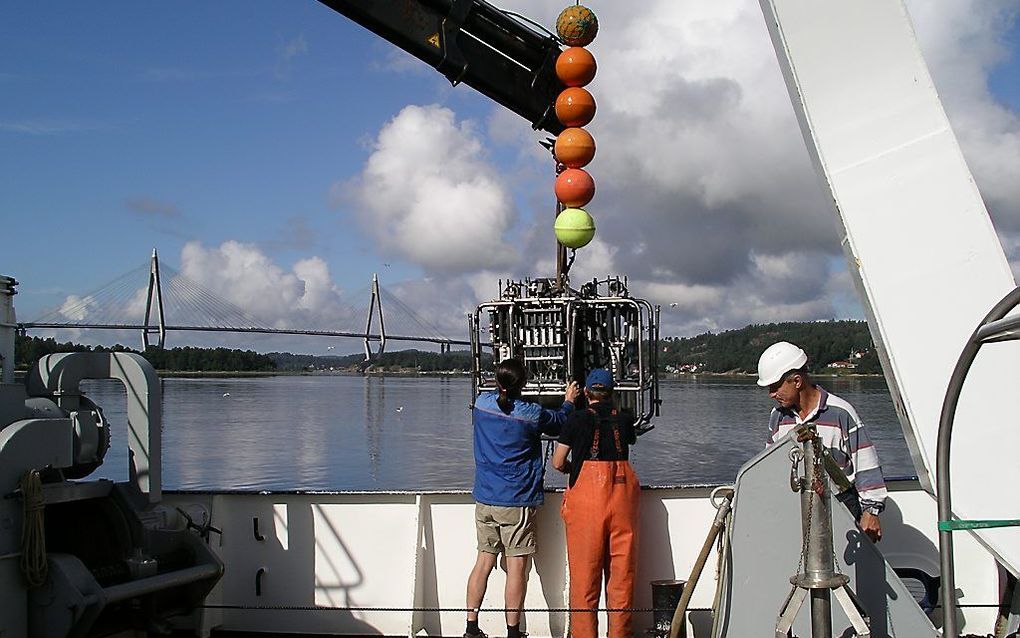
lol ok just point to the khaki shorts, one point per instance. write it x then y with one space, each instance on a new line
510 530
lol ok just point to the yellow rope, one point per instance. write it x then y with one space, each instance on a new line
33 533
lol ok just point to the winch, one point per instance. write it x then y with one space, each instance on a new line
86 557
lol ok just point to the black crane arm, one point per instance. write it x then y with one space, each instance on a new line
473 42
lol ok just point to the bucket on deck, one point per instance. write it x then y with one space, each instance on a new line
665 597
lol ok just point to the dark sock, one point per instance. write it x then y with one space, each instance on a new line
472 627
513 631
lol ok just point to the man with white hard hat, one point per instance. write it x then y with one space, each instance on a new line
782 369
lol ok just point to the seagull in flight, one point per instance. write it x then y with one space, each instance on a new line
226 394
330 347
673 305
400 409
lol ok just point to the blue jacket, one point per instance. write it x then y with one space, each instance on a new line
508 450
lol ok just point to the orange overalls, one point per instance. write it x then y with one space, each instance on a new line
600 512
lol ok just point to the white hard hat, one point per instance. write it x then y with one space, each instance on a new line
777 360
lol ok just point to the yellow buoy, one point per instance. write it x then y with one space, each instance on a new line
574 227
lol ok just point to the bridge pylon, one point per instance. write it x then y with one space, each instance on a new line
374 303
154 297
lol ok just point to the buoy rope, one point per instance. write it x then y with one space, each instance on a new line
34 567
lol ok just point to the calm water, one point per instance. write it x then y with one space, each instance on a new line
413 433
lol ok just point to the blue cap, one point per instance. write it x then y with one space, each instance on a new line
599 376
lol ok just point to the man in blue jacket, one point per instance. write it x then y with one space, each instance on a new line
509 481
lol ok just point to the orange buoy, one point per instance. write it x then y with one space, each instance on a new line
575 107
575 66
574 187
574 147
577 25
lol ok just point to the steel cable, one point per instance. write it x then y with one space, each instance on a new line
421 323
310 607
58 314
221 312
442 609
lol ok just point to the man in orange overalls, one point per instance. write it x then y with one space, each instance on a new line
600 509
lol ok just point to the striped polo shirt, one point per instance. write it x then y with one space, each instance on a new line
843 434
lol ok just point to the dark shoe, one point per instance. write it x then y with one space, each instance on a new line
480 634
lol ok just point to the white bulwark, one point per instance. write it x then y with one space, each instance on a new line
921 247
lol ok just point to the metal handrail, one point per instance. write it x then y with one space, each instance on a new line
981 335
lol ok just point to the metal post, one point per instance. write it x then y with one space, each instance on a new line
8 328
816 510
820 577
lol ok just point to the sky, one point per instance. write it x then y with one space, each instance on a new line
278 155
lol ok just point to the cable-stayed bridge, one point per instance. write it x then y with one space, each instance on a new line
155 299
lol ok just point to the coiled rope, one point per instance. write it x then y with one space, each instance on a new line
34 567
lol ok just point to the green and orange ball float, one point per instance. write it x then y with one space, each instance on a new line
574 228
574 148
577 25
575 67
575 108
574 187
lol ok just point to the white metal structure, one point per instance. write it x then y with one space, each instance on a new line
398 551
921 247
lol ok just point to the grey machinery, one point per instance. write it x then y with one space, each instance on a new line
85 557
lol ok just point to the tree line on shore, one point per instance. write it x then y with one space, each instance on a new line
411 359
732 351
28 350
737 351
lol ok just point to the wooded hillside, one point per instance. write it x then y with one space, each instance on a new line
825 342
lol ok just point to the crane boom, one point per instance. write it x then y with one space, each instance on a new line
473 42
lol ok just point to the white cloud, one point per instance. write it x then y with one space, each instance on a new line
705 197
286 55
292 48
963 42
305 297
429 195
396 60
50 126
790 287
705 190
77 308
